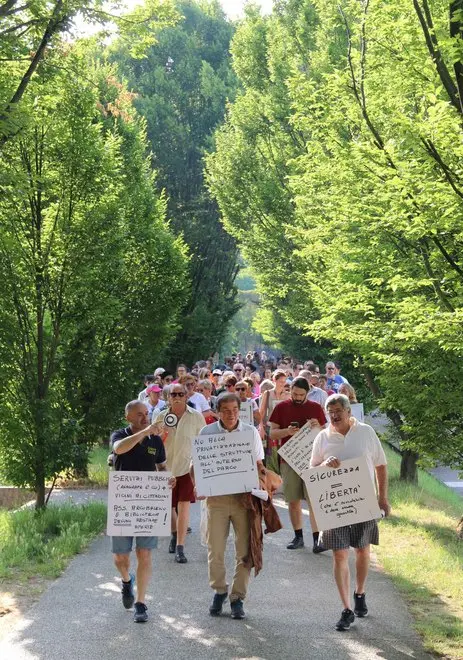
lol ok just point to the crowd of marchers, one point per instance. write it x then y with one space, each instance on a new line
175 407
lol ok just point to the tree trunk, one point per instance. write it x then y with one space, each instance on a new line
408 468
39 488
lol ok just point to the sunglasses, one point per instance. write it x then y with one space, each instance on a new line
237 371
176 394
230 385
240 389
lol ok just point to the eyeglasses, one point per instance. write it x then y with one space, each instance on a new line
176 394
192 384
240 389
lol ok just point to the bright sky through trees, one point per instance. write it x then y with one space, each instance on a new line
233 9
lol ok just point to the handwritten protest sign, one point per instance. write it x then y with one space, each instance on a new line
139 504
224 463
246 412
297 451
357 411
342 496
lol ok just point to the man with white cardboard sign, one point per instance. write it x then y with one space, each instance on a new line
138 448
227 456
286 420
336 447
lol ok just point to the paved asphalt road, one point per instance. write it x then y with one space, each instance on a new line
291 610
450 478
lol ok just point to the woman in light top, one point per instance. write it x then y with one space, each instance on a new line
269 400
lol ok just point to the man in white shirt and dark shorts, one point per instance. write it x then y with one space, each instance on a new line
343 439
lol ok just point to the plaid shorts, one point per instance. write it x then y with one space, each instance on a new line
355 536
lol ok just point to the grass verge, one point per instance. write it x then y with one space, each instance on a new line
421 552
41 543
97 472
98 469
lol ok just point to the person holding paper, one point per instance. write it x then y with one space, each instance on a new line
188 423
137 447
347 438
286 419
223 509
242 389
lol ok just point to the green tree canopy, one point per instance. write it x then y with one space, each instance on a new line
348 143
182 87
93 279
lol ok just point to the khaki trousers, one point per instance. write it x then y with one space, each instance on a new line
221 510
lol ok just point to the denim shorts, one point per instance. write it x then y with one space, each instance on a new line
122 545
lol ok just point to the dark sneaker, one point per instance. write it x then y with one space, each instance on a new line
360 606
237 611
217 603
296 543
347 617
141 613
172 544
180 557
317 548
128 597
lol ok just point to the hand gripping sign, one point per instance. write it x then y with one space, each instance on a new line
224 463
139 503
342 496
298 450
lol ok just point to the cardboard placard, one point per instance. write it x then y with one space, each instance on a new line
342 496
224 463
357 411
246 412
298 450
139 503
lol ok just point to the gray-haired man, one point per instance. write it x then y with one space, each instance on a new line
138 446
343 439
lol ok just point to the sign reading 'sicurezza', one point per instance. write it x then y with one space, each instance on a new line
342 496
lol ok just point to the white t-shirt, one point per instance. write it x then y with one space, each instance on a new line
200 402
360 440
143 396
317 395
257 446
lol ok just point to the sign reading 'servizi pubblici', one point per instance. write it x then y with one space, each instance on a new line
224 463
298 450
139 503
342 496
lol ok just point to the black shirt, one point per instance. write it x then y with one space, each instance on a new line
144 456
